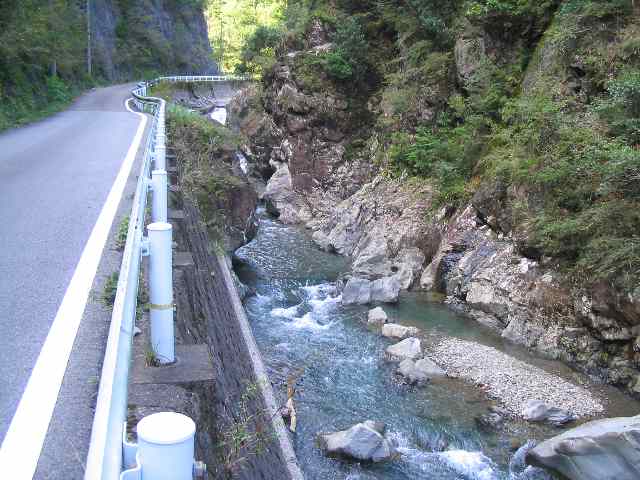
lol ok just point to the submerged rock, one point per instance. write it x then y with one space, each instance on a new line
393 330
606 449
377 316
357 291
538 411
364 441
489 421
409 348
419 372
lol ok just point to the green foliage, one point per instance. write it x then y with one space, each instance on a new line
338 66
626 90
243 32
259 52
42 58
446 155
349 59
205 151
121 233
597 10
109 290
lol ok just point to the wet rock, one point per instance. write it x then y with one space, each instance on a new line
385 290
519 470
357 291
408 265
364 441
539 411
489 421
410 348
606 449
419 372
393 330
377 316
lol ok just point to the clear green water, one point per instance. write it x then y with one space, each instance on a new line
302 329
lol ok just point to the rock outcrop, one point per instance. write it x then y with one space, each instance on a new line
328 163
599 450
173 34
364 441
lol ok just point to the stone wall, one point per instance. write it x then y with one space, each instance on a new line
242 399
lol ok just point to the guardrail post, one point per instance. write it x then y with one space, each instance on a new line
166 446
161 147
161 292
159 197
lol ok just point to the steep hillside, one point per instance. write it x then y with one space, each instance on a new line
43 48
484 149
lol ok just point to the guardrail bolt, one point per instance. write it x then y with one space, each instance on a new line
161 292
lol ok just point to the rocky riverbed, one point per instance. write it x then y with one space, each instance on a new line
336 358
512 382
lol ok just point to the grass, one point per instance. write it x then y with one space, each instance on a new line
121 233
109 290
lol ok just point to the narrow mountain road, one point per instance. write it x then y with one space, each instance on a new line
61 185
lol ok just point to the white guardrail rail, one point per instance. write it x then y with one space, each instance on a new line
165 448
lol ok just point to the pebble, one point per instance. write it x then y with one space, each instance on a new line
511 381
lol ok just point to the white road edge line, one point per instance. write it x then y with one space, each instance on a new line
22 445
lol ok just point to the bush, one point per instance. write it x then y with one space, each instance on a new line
57 90
338 66
259 51
349 59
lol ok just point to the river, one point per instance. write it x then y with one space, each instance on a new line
303 331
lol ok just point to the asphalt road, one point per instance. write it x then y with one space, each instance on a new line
55 176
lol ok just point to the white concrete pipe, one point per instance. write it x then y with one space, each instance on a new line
161 292
166 446
159 197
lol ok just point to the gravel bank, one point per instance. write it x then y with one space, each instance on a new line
509 380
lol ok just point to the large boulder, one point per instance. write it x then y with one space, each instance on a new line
408 265
364 441
538 411
356 291
385 290
377 316
419 372
607 449
393 330
410 348
280 198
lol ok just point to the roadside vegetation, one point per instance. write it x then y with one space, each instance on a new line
546 116
42 59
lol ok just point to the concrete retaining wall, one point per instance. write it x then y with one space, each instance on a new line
242 400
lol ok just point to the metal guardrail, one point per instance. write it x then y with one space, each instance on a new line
109 452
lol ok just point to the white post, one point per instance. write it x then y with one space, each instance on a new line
166 446
161 149
161 292
159 198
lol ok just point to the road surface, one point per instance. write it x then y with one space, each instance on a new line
58 182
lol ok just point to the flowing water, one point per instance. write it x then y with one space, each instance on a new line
303 331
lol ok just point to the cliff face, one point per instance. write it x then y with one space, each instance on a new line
476 169
137 38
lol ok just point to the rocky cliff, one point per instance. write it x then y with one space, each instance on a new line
470 170
135 38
